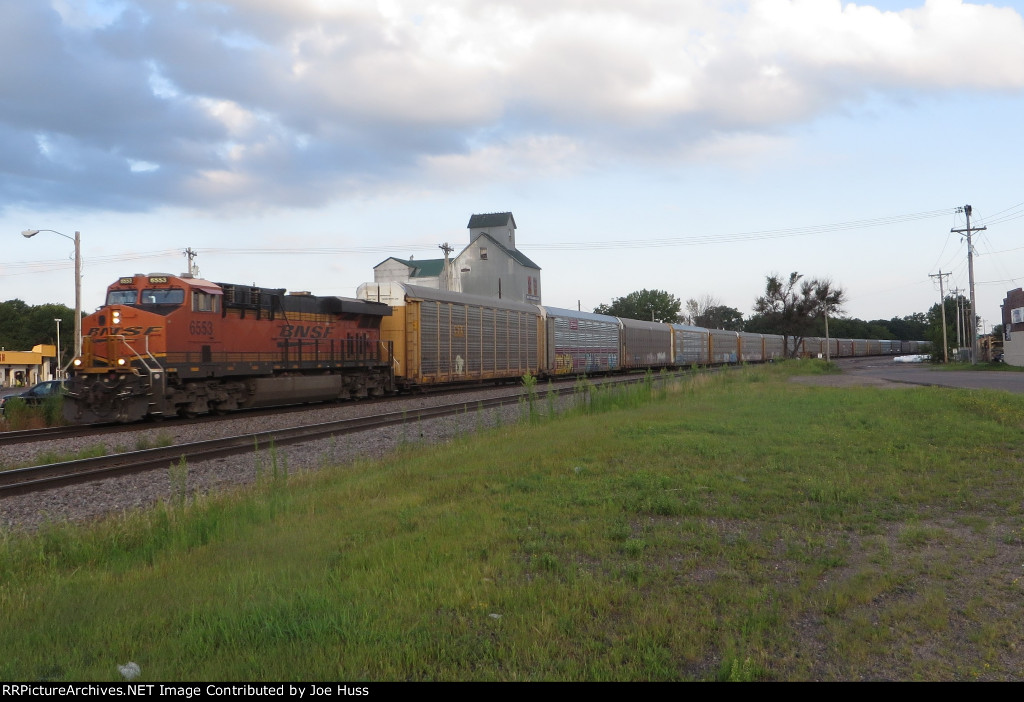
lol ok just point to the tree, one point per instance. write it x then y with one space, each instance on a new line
708 311
721 317
695 308
958 331
913 327
791 307
22 326
852 328
653 305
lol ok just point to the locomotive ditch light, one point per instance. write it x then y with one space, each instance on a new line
121 361
77 362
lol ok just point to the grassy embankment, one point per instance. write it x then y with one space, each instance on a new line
735 527
18 415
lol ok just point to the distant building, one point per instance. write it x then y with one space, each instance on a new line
26 368
426 273
490 265
1013 327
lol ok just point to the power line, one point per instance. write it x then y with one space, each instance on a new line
1007 215
745 236
698 240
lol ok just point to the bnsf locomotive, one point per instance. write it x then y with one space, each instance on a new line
165 345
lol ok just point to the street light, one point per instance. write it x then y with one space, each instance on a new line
57 320
28 234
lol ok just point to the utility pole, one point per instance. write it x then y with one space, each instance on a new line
828 342
446 272
956 292
193 269
942 310
970 274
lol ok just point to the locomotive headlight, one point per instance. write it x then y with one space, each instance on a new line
117 316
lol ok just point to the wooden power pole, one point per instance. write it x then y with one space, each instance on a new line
942 310
968 230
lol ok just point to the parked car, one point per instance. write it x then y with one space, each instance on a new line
37 394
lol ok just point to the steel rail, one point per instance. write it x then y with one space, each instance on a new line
23 436
37 478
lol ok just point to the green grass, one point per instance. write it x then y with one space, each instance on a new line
985 366
732 528
18 415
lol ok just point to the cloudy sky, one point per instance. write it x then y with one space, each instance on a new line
693 146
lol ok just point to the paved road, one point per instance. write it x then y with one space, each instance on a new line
925 374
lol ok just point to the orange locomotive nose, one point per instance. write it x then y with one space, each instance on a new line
115 337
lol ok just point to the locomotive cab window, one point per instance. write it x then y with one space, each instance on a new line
122 297
162 296
203 301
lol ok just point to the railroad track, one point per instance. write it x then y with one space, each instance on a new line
36 478
26 480
20 481
73 431
9 438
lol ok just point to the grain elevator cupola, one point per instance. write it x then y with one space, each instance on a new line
500 226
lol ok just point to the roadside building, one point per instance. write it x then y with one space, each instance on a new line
26 368
1013 327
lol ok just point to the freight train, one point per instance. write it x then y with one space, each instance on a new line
165 345
446 337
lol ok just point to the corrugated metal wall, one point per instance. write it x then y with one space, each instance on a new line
751 347
582 345
773 346
470 342
645 344
691 346
724 346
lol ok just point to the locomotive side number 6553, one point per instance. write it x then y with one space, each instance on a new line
200 328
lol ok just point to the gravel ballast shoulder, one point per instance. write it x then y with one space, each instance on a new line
128 492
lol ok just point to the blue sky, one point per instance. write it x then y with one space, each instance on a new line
692 147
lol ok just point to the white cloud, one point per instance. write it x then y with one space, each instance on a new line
526 158
137 166
228 94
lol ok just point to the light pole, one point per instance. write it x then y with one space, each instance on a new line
57 320
28 234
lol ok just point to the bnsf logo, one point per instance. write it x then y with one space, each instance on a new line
299 331
96 332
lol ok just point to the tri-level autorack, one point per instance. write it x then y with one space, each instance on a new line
166 345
